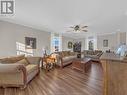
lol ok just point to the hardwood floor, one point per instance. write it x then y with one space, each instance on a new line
63 82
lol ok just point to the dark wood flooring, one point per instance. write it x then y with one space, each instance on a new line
63 82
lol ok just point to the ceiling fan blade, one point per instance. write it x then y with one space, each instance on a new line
69 31
84 26
84 30
71 27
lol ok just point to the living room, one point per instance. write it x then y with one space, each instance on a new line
72 43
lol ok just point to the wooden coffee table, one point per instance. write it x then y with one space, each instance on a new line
81 64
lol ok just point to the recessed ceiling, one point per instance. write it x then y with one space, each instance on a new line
102 16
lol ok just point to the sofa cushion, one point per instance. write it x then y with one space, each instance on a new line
90 52
62 54
73 57
91 56
68 58
72 53
65 59
65 53
68 53
30 68
33 60
23 61
13 59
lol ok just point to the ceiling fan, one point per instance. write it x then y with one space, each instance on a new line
78 28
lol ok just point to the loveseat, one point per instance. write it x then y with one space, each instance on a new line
18 71
65 58
93 54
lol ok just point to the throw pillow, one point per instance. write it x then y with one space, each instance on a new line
13 59
23 61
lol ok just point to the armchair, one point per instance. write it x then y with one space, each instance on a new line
17 74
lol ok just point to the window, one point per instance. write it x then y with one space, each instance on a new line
91 45
20 49
55 42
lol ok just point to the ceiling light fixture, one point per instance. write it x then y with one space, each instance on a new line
78 28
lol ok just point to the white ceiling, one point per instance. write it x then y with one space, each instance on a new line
102 16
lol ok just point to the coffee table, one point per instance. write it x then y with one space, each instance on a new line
81 64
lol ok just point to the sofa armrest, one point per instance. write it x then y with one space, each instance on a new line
13 74
12 68
34 60
99 54
59 59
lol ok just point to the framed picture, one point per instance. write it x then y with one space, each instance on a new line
105 43
70 45
30 43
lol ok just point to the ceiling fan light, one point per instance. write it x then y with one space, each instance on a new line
78 31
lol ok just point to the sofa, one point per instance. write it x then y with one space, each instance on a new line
18 71
65 58
93 54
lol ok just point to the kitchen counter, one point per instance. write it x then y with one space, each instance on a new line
115 74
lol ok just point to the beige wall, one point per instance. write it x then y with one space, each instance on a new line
65 41
12 33
122 37
114 40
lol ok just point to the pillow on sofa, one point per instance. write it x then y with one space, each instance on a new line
13 59
72 53
63 53
23 61
90 52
